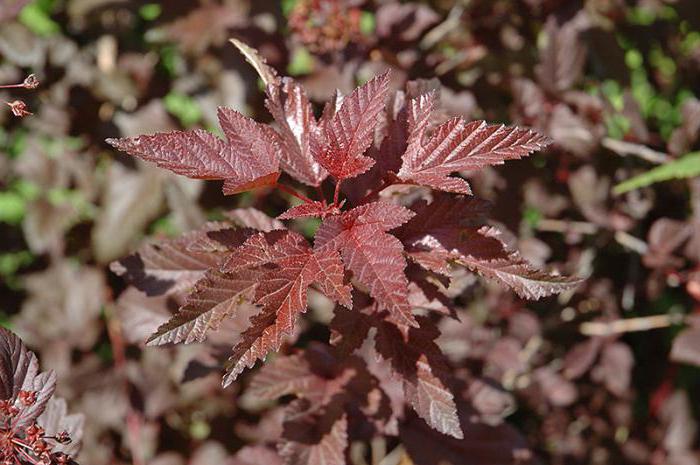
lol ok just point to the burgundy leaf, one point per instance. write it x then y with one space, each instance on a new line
438 237
266 72
283 376
415 359
169 266
299 134
564 56
421 365
317 209
459 146
482 445
249 157
215 297
330 450
686 347
19 371
375 257
350 131
291 267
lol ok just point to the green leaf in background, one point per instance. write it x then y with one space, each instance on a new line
688 166
37 17
301 63
368 23
12 207
287 6
183 107
150 11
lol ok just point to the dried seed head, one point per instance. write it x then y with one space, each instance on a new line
19 108
31 82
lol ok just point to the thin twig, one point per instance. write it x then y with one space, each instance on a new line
624 149
133 418
441 30
633 243
293 192
565 226
336 194
627 325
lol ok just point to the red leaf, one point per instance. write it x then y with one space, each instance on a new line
215 297
249 158
284 376
350 131
482 445
266 72
459 146
438 237
318 209
415 359
290 267
171 265
19 371
299 134
253 218
686 347
375 257
330 450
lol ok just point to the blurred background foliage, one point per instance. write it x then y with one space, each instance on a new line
606 374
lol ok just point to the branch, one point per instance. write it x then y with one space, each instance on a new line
293 192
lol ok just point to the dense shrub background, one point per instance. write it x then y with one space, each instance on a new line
605 374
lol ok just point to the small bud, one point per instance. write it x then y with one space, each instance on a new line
31 82
19 108
60 458
63 438
27 398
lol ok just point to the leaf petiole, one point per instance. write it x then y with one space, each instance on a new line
293 192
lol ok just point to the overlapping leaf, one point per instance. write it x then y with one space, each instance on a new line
19 371
375 257
439 236
458 146
215 297
329 450
308 209
170 266
290 267
300 136
350 131
416 360
249 157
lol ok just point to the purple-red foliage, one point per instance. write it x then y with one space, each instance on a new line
379 261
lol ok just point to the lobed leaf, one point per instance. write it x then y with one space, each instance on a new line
375 257
330 450
310 209
459 146
215 297
249 157
172 265
350 131
300 136
436 238
290 268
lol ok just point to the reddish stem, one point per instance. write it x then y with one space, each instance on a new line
12 86
336 194
293 192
